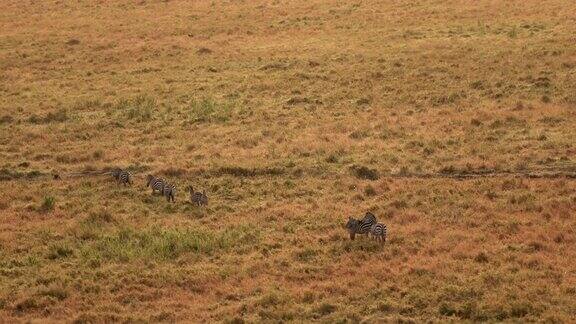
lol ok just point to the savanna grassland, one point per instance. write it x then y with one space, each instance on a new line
293 115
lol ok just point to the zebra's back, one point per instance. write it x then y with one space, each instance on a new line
169 191
366 223
197 198
157 184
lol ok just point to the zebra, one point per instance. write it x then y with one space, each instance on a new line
198 198
157 184
169 191
360 226
122 176
369 218
378 231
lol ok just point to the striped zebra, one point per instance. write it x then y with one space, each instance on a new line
122 176
198 198
157 184
360 226
378 231
169 191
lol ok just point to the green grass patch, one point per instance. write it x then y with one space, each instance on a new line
139 109
166 244
47 205
209 110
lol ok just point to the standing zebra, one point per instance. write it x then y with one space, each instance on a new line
122 176
378 231
198 198
169 191
360 226
157 184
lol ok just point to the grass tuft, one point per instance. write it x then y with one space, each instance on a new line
47 205
208 110
365 173
139 109
59 251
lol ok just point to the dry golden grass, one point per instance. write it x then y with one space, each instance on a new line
293 116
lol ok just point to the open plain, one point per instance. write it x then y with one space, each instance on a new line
454 122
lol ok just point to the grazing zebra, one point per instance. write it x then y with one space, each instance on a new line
157 184
369 218
122 176
169 191
378 231
198 198
360 226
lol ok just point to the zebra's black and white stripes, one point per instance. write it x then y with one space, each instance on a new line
164 188
198 198
122 176
169 191
367 225
378 232
360 226
157 184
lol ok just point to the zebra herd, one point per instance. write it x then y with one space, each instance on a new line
367 225
161 186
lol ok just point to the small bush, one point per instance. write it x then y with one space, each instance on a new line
26 305
58 116
447 310
100 217
98 154
59 251
246 172
481 257
73 41
369 191
6 119
55 292
139 109
308 297
305 255
270 299
209 110
325 309
204 50
450 169
332 158
362 172
173 172
520 310
48 204
235 320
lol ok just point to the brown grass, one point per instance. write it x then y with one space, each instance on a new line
293 116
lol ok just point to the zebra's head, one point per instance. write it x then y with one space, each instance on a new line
352 224
116 173
190 189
